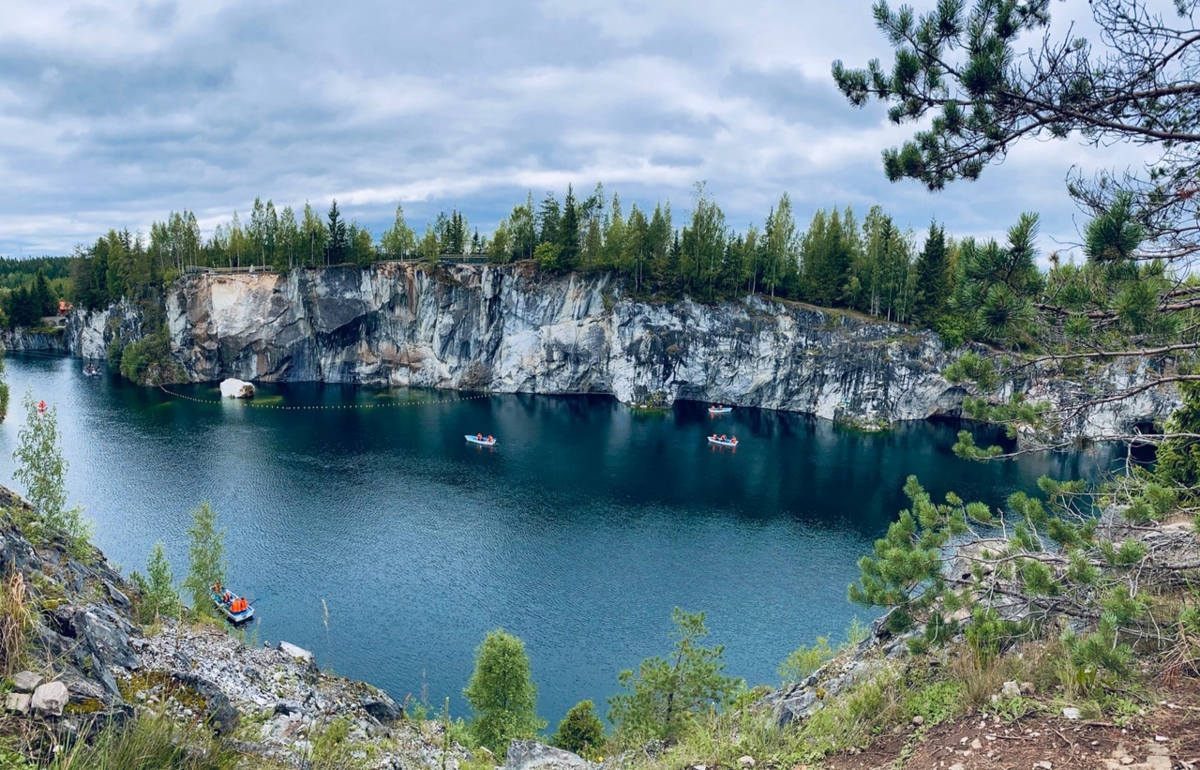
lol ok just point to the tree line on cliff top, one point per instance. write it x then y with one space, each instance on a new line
871 265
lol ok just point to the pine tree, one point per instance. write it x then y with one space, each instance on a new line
159 597
666 694
933 278
568 232
338 239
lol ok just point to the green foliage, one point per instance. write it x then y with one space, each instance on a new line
332 748
905 569
3 390
159 597
206 558
665 695
502 694
1178 459
148 361
805 660
988 635
149 743
42 469
581 731
974 368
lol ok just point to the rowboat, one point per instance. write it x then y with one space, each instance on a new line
720 409
91 371
244 613
489 441
729 442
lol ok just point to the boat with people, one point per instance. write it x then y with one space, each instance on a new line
720 409
481 439
235 608
723 440
91 370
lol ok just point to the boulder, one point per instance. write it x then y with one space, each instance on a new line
26 681
528 755
18 702
50 698
234 388
383 710
292 651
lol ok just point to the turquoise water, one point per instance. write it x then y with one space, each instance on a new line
579 531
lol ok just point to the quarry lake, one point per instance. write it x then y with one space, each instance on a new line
579 532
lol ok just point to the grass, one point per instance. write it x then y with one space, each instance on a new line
149 743
16 620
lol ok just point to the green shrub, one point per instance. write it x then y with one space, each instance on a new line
805 660
149 743
580 731
159 597
42 469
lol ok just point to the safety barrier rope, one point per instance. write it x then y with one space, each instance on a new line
252 404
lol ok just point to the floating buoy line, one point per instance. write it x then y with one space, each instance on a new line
250 402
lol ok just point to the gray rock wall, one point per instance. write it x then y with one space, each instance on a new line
507 329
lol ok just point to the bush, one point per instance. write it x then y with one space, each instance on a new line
502 693
805 660
149 743
148 361
580 731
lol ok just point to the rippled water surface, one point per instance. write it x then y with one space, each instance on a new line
579 531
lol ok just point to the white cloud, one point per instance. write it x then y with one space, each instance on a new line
113 113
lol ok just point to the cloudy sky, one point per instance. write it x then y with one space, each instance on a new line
115 112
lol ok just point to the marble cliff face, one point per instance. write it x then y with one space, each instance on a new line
509 329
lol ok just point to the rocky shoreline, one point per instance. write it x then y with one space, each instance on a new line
94 667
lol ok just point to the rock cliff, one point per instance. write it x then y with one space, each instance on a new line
511 329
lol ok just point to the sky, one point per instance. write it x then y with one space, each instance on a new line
114 113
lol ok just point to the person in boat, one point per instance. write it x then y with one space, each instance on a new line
733 440
723 437
216 588
479 437
490 439
227 598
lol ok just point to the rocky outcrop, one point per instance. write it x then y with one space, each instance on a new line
25 341
90 333
93 668
531 755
